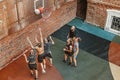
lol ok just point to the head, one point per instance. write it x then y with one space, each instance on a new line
48 38
73 28
31 51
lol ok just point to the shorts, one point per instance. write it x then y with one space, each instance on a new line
48 55
69 53
40 58
66 52
32 66
75 56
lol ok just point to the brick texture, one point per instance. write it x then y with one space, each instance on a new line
97 11
3 20
20 14
13 45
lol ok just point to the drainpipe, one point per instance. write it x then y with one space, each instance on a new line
18 28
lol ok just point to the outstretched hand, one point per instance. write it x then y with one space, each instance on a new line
36 0
28 38
39 29
24 55
50 37
64 49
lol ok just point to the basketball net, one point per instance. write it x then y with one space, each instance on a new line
44 11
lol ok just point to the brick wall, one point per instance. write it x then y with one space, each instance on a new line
3 20
13 45
20 14
97 11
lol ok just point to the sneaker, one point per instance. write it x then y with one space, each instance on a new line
32 75
36 78
73 65
43 71
64 61
44 66
69 63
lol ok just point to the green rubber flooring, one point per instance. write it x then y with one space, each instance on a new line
90 43
92 59
89 67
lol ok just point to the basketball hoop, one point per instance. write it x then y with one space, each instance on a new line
38 10
45 12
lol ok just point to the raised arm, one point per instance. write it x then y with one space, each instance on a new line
36 39
51 40
41 38
30 42
25 57
68 35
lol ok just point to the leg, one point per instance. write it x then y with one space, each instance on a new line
50 61
36 74
44 64
65 57
70 60
32 72
75 62
43 70
31 67
74 59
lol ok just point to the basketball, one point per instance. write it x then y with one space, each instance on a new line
39 11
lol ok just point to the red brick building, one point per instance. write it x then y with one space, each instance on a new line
97 11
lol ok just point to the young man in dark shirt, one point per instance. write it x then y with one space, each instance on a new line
68 50
31 60
40 49
72 33
47 52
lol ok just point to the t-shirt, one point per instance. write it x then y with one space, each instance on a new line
76 45
72 34
68 46
32 57
47 47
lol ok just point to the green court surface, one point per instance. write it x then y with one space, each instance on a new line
93 62
90 43
89 67
92 59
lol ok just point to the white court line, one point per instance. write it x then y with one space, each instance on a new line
115 69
